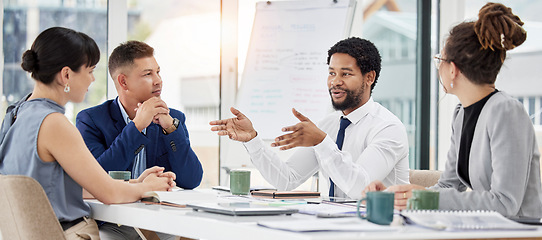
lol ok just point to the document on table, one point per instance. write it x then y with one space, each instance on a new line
324 208
463 220
182 197
321 225
264 201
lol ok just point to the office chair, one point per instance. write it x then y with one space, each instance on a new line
26 211
426 178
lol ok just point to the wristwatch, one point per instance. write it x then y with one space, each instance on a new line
173 127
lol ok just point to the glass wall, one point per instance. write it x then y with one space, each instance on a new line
186 37
24 20
392 27
184 33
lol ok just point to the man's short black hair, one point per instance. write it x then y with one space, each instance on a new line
125 54
365 52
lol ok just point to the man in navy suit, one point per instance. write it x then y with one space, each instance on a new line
137 130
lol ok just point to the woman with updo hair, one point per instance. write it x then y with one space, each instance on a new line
493 148
38 141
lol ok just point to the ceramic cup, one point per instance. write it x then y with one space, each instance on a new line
379 206
122 175
240 182
423 200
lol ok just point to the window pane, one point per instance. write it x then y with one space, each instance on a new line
186 39
393 28
22 24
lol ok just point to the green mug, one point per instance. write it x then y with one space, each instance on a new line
379 207
240 182
122 175
423 200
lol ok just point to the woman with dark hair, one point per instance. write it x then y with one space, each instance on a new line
37 140
493 149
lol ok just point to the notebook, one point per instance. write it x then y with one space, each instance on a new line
241 209
462 220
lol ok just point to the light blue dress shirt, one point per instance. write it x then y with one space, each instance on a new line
140 160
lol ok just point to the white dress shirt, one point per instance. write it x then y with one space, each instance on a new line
375 148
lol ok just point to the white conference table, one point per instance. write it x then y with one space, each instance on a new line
203 225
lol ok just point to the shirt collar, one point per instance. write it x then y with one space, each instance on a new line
123 112
356 115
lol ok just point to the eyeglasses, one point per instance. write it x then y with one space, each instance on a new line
438 60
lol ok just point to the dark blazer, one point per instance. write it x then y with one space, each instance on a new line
115 144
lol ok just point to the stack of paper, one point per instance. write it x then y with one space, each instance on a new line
319 225
463 220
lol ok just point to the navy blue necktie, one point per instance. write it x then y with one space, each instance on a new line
340 139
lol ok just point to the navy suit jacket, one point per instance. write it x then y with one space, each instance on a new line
115 144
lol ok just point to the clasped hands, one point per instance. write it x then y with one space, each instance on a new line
154 110
157 174
402 192
303 134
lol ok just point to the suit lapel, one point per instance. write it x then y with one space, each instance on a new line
116 115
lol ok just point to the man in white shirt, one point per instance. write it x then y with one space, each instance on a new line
360 142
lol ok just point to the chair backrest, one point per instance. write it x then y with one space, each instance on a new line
426 178
26 211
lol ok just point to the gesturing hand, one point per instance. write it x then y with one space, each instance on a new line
238 128
304 134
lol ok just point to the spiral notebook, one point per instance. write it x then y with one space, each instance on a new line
462 220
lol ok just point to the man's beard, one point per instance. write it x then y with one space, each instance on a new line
352 99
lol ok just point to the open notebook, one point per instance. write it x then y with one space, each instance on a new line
462 220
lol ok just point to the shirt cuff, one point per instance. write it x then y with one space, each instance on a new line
326 147
254 144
